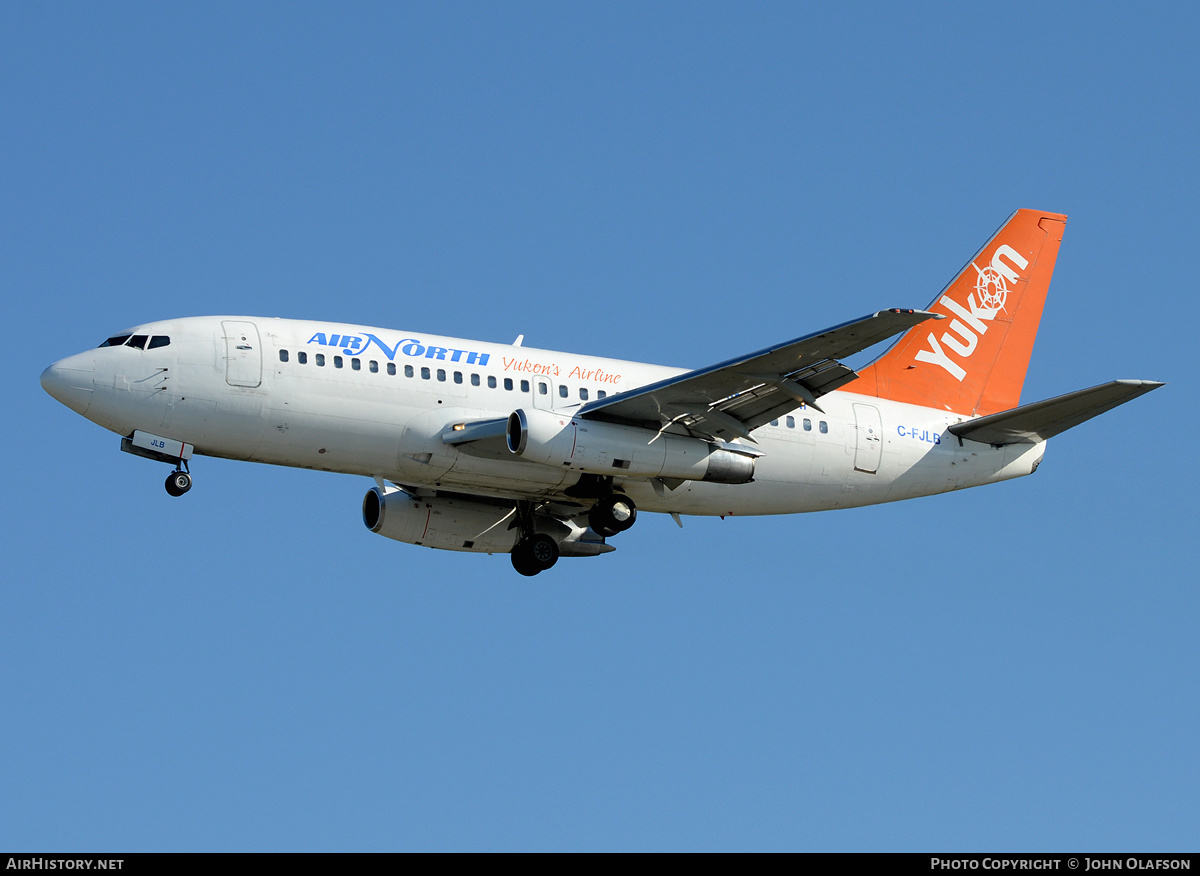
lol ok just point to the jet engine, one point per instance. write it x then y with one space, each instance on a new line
446 523
610 449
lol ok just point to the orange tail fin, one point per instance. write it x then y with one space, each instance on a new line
974 361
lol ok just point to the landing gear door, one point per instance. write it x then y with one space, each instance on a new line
869 445
243 354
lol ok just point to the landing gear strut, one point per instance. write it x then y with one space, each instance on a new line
612 514
178 482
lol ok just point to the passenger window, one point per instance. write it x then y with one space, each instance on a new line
791 422
408 371
823 426
524 386
373 366
337 361
562 391
117 341
474 380
302 357
774 422
320 360
158 341
458 377
542 388
807 424
424 373
601 393
283 356
392 368
491 382
508 383
356 364
138 341
583 393
442 375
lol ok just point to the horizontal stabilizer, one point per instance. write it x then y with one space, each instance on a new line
1035 422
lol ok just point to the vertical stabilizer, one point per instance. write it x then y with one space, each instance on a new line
974 361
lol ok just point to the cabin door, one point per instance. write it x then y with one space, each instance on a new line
243 354
869 445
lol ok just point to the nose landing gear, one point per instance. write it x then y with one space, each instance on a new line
160 449
178 483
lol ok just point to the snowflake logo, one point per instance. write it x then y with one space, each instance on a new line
991 291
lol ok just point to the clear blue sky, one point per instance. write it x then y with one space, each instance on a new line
1012 667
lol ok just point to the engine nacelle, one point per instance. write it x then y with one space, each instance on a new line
610 449
449 524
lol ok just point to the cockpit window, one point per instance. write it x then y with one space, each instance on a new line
158 341
138 341
115 341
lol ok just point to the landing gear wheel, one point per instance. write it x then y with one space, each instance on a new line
522 562
612 514
534 554
178 483
543 549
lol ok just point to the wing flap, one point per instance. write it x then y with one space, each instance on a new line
1038 421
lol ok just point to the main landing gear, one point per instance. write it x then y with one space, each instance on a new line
534 553
613 514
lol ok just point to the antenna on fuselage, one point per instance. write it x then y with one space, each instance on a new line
520 340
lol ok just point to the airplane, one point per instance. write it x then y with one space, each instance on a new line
476 446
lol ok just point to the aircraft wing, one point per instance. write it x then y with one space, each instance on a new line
731 399
1038 421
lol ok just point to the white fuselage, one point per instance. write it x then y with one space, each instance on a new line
376 402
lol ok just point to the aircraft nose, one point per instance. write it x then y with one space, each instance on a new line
70 381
